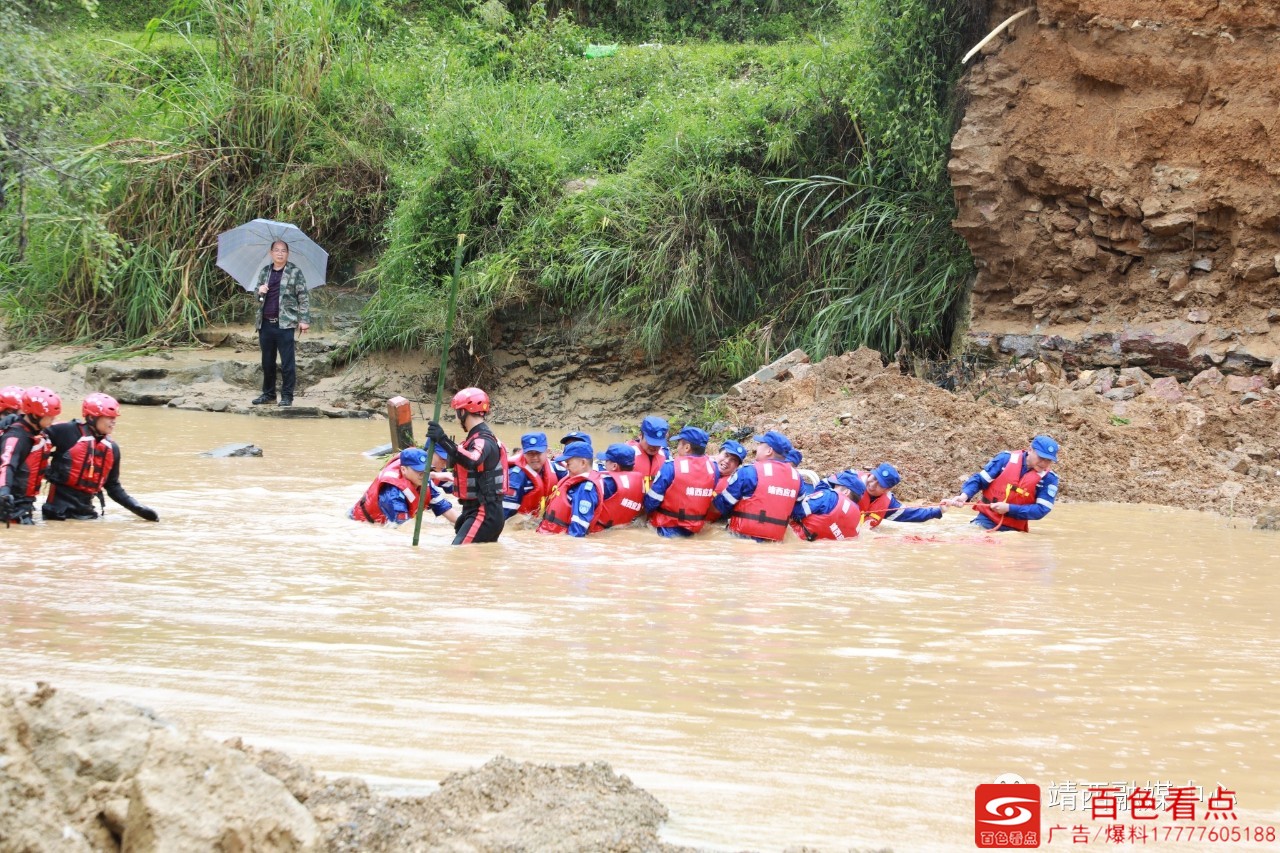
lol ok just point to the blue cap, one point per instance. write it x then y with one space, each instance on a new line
886 475
412 457
795 457
733 448
536 441
852 482
654 431
575 450
693 435
780 443
623 454
1045 447
570 437
442 453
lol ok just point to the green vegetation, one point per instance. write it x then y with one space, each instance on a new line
739 197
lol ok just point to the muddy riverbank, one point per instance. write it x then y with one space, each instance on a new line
1208 443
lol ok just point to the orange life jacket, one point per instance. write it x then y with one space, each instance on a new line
874 509
559 511
623 505
647 466
689 496
1011 487
766 512
483 483
85 465
31 460
534 501
368 508
841 523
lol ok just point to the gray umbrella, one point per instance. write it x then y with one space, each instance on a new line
245 250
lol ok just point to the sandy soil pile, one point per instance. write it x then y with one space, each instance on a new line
81 775
1125 437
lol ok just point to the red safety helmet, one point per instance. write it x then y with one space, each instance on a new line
100 406
40 402
11 398
471 400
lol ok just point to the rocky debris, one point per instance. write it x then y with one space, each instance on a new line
1126 436
1268 519
81 775
229 450
793 364
1113 184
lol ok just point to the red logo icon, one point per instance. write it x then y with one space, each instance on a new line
1006 816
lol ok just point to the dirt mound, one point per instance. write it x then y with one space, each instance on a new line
82 775
1126 437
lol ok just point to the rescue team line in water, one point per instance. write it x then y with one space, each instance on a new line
677 491
579 492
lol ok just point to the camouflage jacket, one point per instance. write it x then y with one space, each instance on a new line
295 300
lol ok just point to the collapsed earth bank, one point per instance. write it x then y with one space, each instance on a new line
1117 174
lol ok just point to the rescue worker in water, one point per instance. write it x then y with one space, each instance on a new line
393 496
480 469
24 455
1017 487
86 462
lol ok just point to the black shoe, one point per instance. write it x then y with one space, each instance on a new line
264 399
286 401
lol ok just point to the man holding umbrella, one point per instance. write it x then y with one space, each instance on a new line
282 287
283 305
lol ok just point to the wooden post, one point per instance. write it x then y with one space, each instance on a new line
400 417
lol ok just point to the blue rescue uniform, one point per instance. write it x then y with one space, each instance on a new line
1046 491
896 511
395 506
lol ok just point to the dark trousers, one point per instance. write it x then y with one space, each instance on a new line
479 521
271 340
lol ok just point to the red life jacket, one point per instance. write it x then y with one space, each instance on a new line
624 505
1012 487
689 496
841 523
533 501
482 483
874 509
28 471
559 512
85 465
368 508
766 513
647 466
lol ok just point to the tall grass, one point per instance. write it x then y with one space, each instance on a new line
128 241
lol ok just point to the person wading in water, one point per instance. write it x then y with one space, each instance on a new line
480 469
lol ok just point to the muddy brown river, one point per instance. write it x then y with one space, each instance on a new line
835 695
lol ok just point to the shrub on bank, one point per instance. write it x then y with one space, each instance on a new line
667 188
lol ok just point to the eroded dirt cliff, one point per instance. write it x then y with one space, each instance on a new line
1118 181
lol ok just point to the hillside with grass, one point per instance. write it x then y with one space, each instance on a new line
734 179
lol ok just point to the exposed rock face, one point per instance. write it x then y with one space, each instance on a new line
1118 182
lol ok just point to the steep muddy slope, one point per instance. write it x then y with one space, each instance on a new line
1118 178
